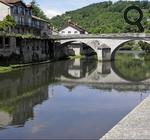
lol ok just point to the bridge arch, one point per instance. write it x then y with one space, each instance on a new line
66 43
113 51
87 43
91 43
117 48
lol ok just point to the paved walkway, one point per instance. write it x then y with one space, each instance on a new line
136 125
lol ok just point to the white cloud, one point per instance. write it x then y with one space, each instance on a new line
52 13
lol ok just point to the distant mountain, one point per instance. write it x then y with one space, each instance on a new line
105 17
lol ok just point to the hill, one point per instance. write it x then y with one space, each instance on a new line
105 17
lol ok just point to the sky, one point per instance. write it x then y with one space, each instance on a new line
57 7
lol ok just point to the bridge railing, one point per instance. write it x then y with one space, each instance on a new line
117 35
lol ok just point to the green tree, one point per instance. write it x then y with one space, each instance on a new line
106 17
7 24
144 46
37 11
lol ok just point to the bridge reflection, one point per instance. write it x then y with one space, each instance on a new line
90 71
22 90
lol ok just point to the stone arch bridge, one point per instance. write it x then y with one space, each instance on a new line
105 45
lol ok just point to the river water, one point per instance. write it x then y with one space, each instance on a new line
71 99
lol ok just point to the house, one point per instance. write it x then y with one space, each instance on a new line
26 23
71 29
24 50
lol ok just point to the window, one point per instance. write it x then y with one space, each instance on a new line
15 10
21 10
63 32
6 42
37 48
28 12
23 30
29 21
16 19
75 32
33 48
1 42
38 24
69 32
22 20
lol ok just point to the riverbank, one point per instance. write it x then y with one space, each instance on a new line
82 56
76 57
5 69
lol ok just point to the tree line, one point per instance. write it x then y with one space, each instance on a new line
106 17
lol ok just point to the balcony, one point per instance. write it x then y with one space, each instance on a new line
29 25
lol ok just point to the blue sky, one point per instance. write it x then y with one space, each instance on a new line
57 7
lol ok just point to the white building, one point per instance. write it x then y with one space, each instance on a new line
71 29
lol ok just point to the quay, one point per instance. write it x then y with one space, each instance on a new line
136 125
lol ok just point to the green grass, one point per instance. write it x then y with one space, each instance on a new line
5 69
76 56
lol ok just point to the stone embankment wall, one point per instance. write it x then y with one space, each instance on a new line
19 50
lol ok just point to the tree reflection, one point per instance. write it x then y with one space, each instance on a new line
132 67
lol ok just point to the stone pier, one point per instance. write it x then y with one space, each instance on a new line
136 125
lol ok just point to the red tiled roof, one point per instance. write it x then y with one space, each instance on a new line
11 2
5 2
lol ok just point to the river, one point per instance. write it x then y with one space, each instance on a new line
71 99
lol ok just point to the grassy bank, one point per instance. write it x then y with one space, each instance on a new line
5 69
76 56
82 56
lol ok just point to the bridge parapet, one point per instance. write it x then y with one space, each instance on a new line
120 35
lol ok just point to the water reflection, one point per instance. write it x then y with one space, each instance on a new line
84 113
79 68
132 66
